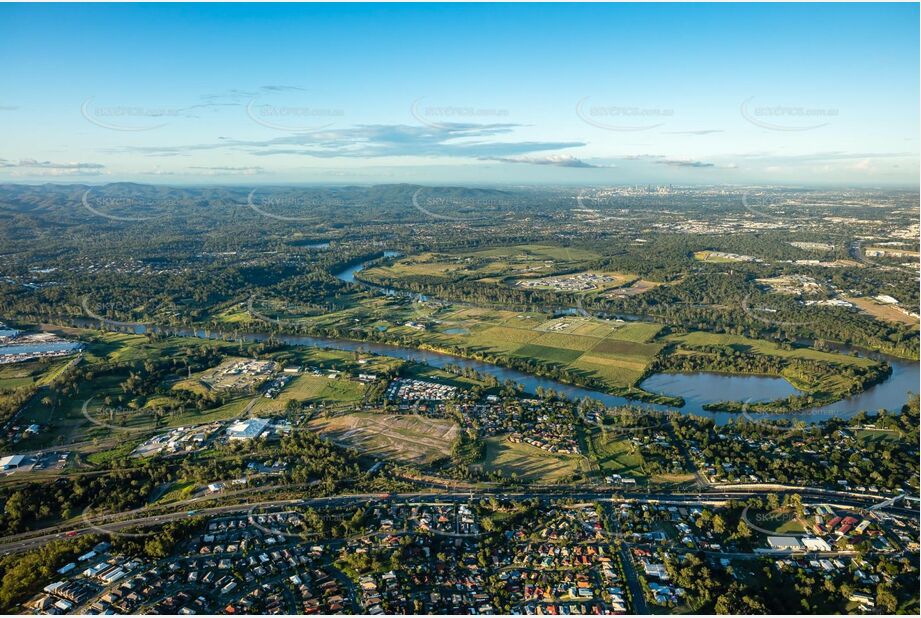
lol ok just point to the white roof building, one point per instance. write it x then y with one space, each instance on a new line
11 462
815 544
783 542
247 430
655 570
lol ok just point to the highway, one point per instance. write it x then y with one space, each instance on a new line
116 522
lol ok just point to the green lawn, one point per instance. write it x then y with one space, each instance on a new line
529 463
615 454
21 375
178 491
122 450
876 436
312 389
760 346
229 410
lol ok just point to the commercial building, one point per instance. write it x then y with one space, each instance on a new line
249 429
11 462
815 544
784 542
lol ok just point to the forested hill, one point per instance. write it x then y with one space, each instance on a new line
126 202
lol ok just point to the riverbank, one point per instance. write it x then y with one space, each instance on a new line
889 395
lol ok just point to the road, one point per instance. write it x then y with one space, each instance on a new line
689 464
112 523
637 598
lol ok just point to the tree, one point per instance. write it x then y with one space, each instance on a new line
795 501
773 502
735 601
742 530
886 600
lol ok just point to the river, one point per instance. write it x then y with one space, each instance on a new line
700 388
696 388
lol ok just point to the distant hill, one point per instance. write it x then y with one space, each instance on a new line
125 201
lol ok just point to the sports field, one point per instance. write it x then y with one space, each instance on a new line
780 521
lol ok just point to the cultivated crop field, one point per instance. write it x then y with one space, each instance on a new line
615 352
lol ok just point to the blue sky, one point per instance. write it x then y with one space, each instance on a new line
807 94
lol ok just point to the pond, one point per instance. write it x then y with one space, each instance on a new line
696 388
894 390
40 348
701 387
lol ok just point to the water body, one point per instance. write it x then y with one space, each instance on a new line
696 388
893 391
700 388
40 348
890 395
348 275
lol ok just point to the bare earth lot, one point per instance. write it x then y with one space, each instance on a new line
407 438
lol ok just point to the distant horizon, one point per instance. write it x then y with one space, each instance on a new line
508 185
577 94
